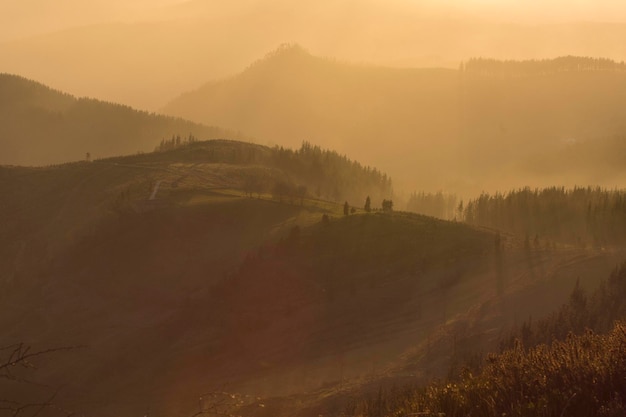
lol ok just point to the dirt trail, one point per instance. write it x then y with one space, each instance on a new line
155 190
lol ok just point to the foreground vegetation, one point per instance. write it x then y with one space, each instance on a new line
557 367
581 376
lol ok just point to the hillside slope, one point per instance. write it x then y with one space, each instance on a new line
41 126
50 209
90 259
179 280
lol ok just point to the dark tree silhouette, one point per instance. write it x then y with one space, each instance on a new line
368 204
346 208
15 362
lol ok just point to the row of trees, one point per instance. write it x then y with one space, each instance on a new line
533 67
334 176
440 205
286 173
387 206
175 142
579 216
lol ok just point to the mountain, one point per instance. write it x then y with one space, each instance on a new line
42 126
463 130
121 59
213 269
290 96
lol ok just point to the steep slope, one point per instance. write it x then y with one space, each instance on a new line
463 131
40 126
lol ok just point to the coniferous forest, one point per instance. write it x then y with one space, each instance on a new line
578 216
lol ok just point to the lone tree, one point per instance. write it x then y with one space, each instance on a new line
346 208
387 205
368 204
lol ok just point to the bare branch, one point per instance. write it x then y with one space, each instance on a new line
21 355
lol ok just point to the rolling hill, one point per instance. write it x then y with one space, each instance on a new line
459 130
175 279
42 126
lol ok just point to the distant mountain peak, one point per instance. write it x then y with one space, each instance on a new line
286 53
289 49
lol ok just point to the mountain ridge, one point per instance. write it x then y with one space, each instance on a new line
448 122
40 125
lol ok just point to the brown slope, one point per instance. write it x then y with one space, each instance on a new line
338 301
42 126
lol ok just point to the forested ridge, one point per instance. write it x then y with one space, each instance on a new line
580 215
324 173
536 67
42 126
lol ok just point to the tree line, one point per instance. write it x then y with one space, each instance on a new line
291 174
176 141
579 215
440 204
533 67
330 175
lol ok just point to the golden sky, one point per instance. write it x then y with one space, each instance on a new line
20 18
145 52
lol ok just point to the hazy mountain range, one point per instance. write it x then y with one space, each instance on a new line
212 264
458 130
143 56
432 128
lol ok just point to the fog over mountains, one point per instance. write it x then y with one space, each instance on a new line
488 125
143 54
482 126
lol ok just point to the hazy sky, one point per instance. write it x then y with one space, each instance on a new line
145 52
19 18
